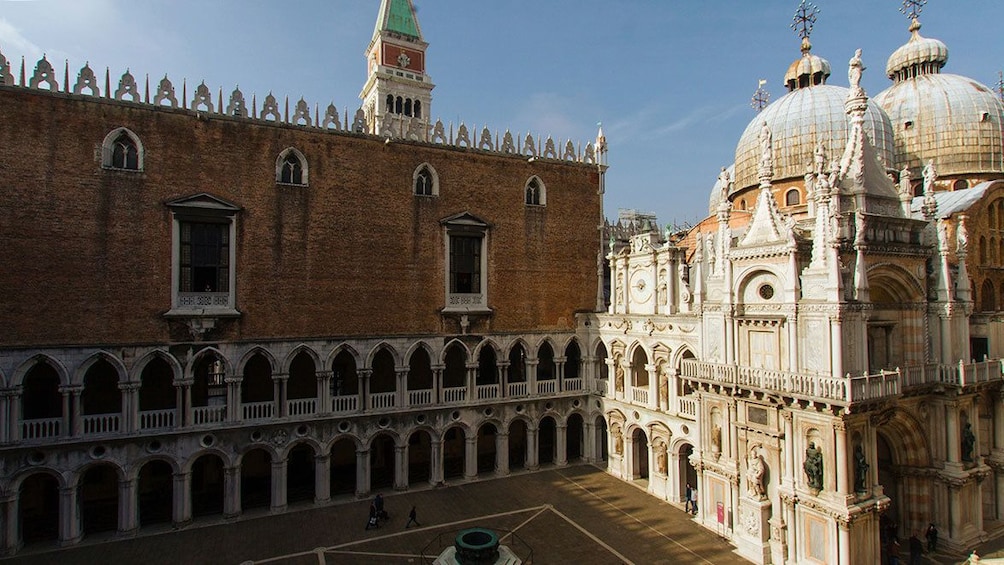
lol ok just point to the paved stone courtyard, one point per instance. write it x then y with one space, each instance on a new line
570 515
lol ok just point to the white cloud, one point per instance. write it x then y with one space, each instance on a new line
13 41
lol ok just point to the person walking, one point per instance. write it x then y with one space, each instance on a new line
693 501
371 521
412 518
932 538
686 500
381 514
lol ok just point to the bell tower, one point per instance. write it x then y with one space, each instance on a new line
397 85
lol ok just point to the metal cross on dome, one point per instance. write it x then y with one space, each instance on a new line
761 97
805 17
912 8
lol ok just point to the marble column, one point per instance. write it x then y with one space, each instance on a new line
470 458
589 454
182 495
279 469
532 458
322 478
280 382
653 386
436 448
844 543
128 506
11 541
183 403
840 436
323 392
69 516
401 467
561 457
362 472
232 504
502 453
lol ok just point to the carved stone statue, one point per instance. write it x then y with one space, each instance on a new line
618 376
860 470
709 245
724 180
968 443
766 149
813 466
930 175
716 438
859 227
904 181
755 470
661 460
962 236
854 70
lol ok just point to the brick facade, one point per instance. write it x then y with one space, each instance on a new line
87 250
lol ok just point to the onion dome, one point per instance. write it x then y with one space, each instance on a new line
808 70
920 55
953 120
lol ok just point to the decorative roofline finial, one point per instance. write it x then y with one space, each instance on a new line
805 18
1000 85
761 97
913 8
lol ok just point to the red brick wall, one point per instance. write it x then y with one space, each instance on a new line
86 252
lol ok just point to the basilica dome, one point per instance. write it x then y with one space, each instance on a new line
953 120
812 113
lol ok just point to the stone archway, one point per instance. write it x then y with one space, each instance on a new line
486 451
207 485
901 447
256 480
343 467
99 499
639 455
419 457
155 489
300 474
547 436
686 474
38 508
574 438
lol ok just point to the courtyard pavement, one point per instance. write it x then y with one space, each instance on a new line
574 514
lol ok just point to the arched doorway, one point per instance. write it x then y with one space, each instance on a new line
901 444
155 489
602 447
455 374
486 448
574 438
343 467
256 480
383 380
546 441
517 445
419 457
38 509
685 471
99 499
420 379
639 454
453 453
382 462
300 474
344 383
207 486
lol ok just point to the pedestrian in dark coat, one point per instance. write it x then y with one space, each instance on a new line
932 538
916 549
412 518
371 521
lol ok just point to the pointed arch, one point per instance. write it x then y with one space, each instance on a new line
301 348
383 346
136 374
251 353
202 354
535 193
338 350
115 362
454 343
420 345
892 283
425 180
122 150
291 167
486 343
28 364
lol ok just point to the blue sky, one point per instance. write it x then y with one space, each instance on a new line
671 80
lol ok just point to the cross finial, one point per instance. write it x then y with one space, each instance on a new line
761 97
805 17
912 8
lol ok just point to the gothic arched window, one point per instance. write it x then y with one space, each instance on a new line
122 150
425 181
535 193
291 168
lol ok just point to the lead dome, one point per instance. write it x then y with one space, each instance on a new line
950 119
812 113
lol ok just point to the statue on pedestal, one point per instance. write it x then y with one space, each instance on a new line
755 470
860 470
813 466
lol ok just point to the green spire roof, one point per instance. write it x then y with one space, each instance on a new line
398 16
